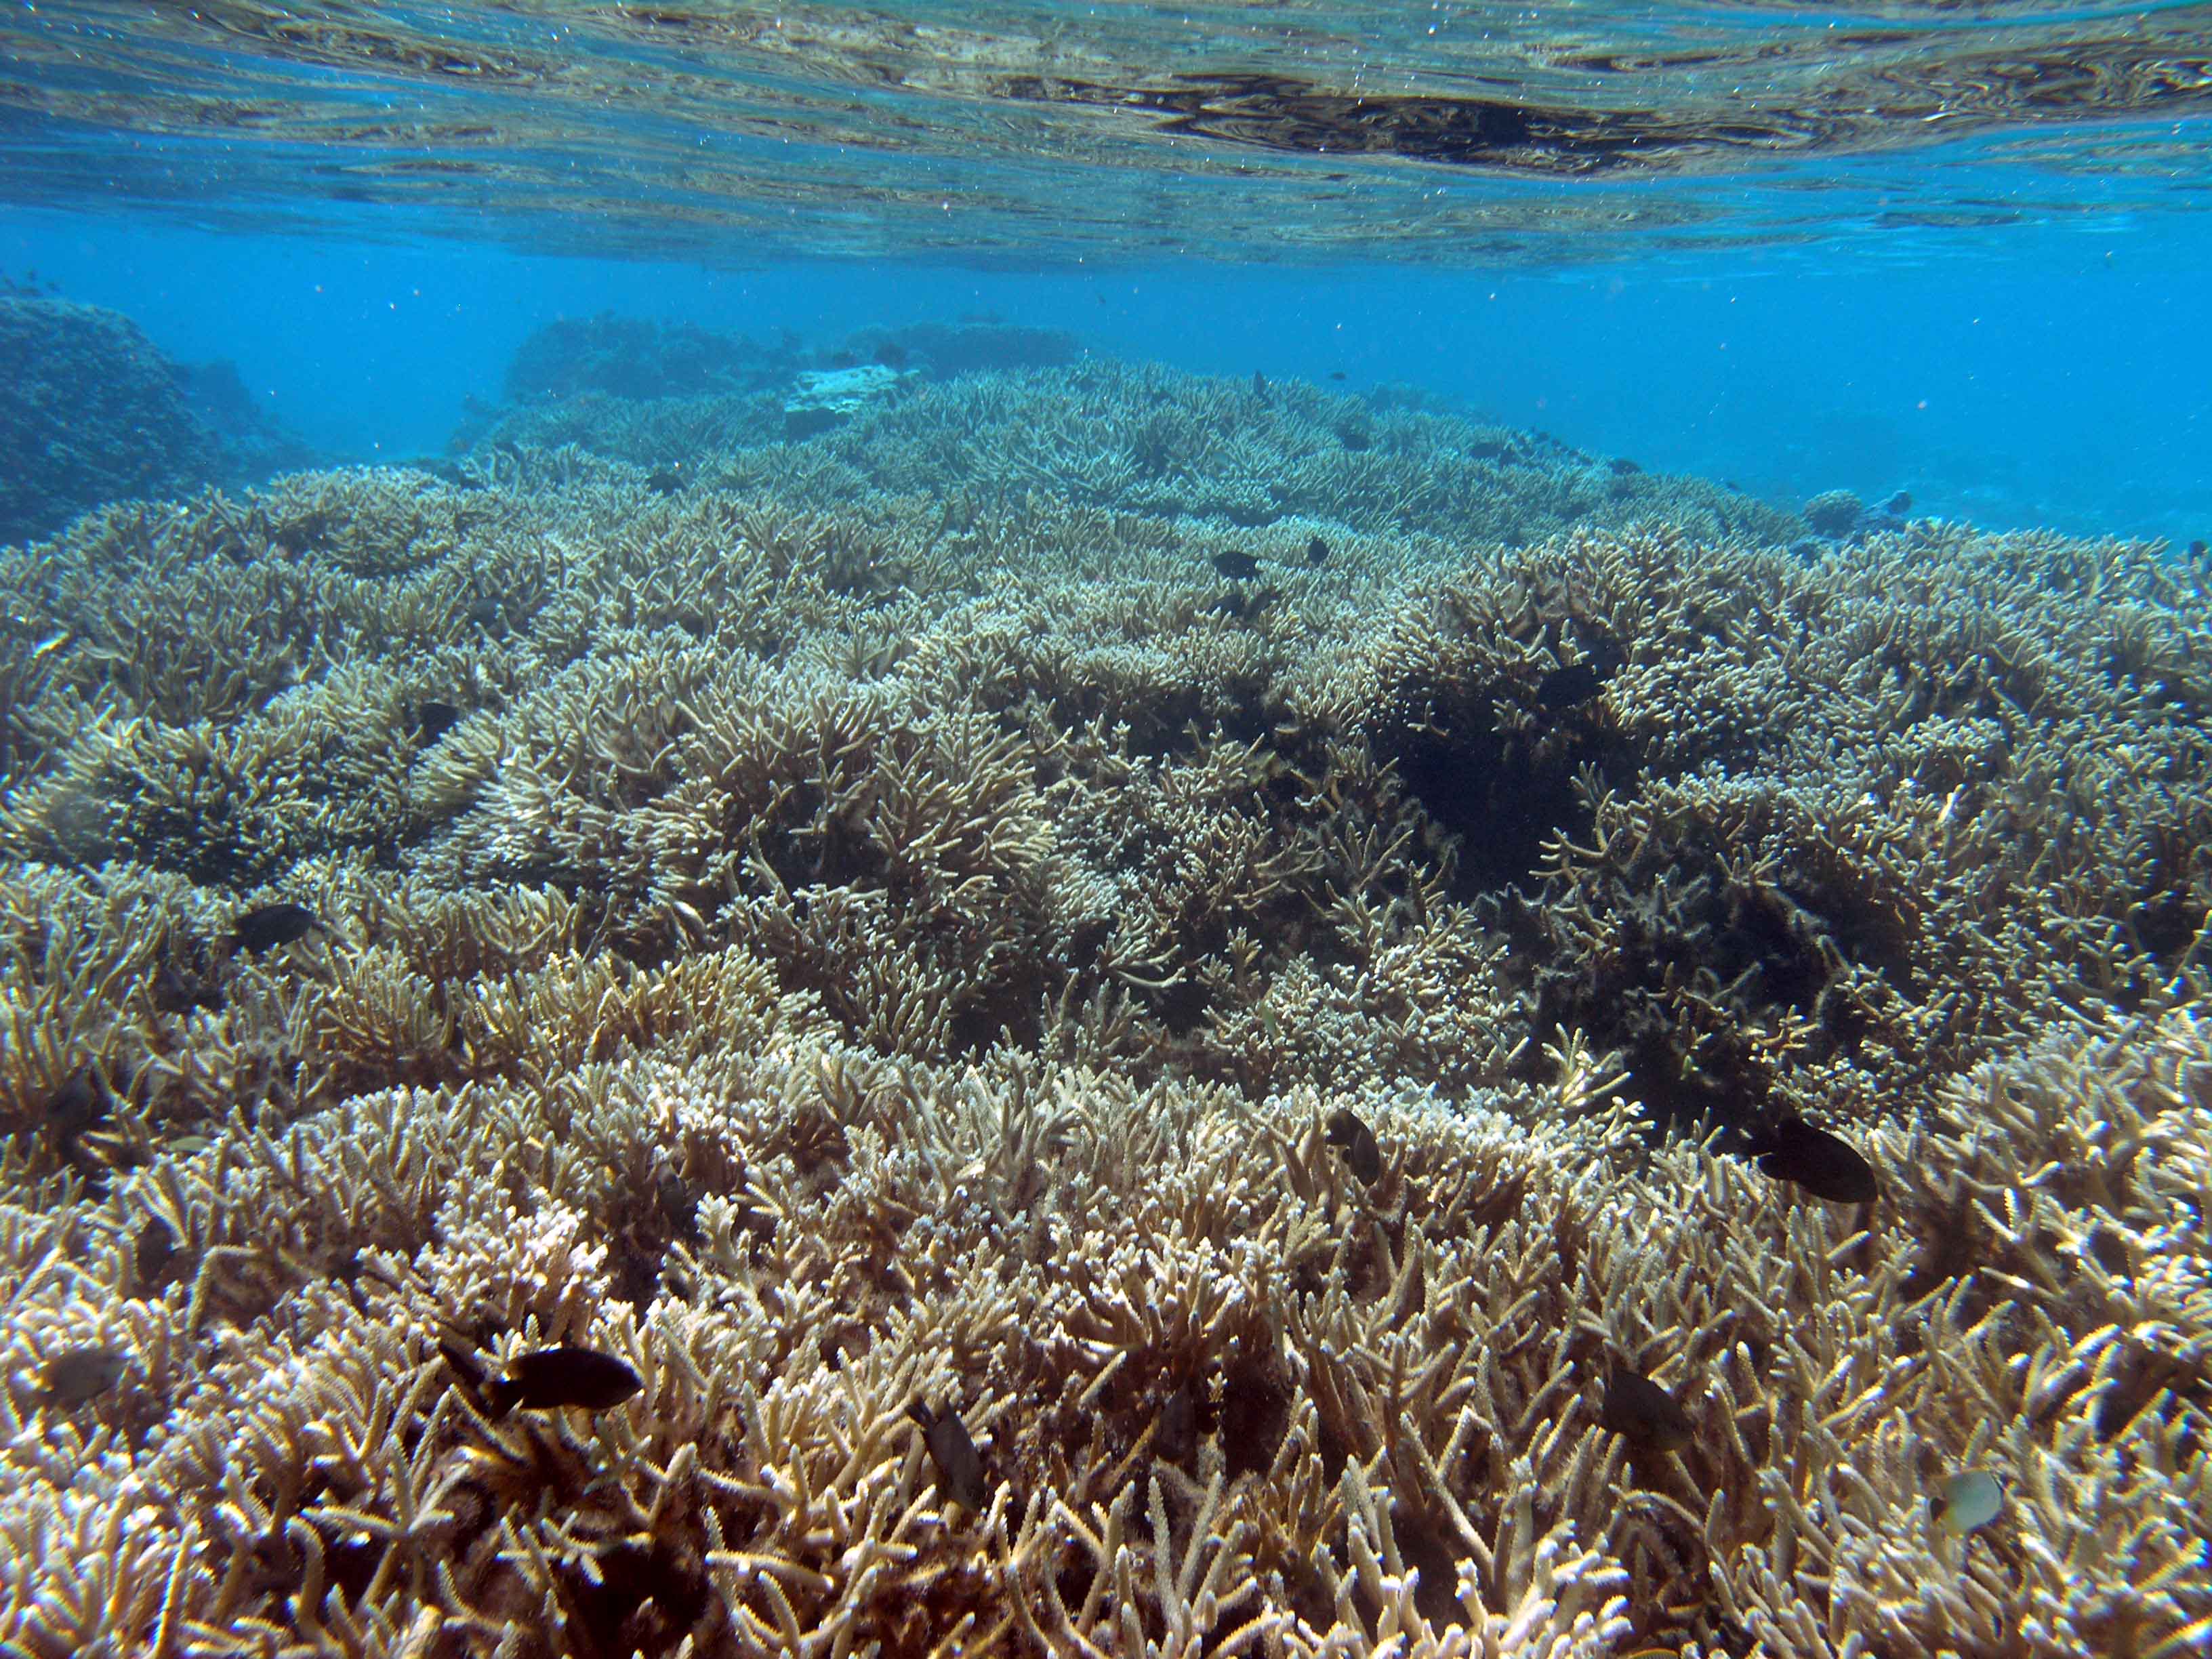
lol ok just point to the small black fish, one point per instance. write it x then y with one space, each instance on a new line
1238 567
959 1465
1563 688
176 992
1569 686
2196 549
665 480
1641 1412
1822 1164
1336 375
1175 1432
642 1585
433 719
151 1250
1259 386
678 1204
269 925
76 1375
1349 1135
1245 604
549 1378
1316 552
1622 466
486 613
81 1102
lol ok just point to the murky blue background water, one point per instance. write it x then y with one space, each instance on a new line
1789 275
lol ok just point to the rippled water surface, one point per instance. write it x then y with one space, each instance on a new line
1438 132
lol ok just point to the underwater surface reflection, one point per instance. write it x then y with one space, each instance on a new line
1017 130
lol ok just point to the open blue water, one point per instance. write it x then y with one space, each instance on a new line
1959 253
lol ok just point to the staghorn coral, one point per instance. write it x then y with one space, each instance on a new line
852 950
1394 1430
1142 439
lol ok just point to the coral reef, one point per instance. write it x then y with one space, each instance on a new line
636 358
825 397
1148 440
1837 515
839 943
92 412
944 352
672 395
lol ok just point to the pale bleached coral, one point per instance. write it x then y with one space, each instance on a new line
1388 1423
841 955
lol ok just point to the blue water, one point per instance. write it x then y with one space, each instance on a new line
1959 255
2043 377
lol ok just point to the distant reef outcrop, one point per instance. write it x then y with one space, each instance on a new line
92 411
977 415
641 390
640 357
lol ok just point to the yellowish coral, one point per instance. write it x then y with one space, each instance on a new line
840 957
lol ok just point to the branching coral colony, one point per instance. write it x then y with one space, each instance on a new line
1270 1074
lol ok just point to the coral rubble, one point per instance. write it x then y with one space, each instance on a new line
886 939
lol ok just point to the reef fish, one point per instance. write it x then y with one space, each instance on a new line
176 992
1349 1135
1245 604
1822 1164
1175 1432
269 925
678 1203
1970 1499
1238 567
1563 688
77 1375
150 1253
81 1102
433 719
549 1378
1316 552
959 1465
1643 1412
